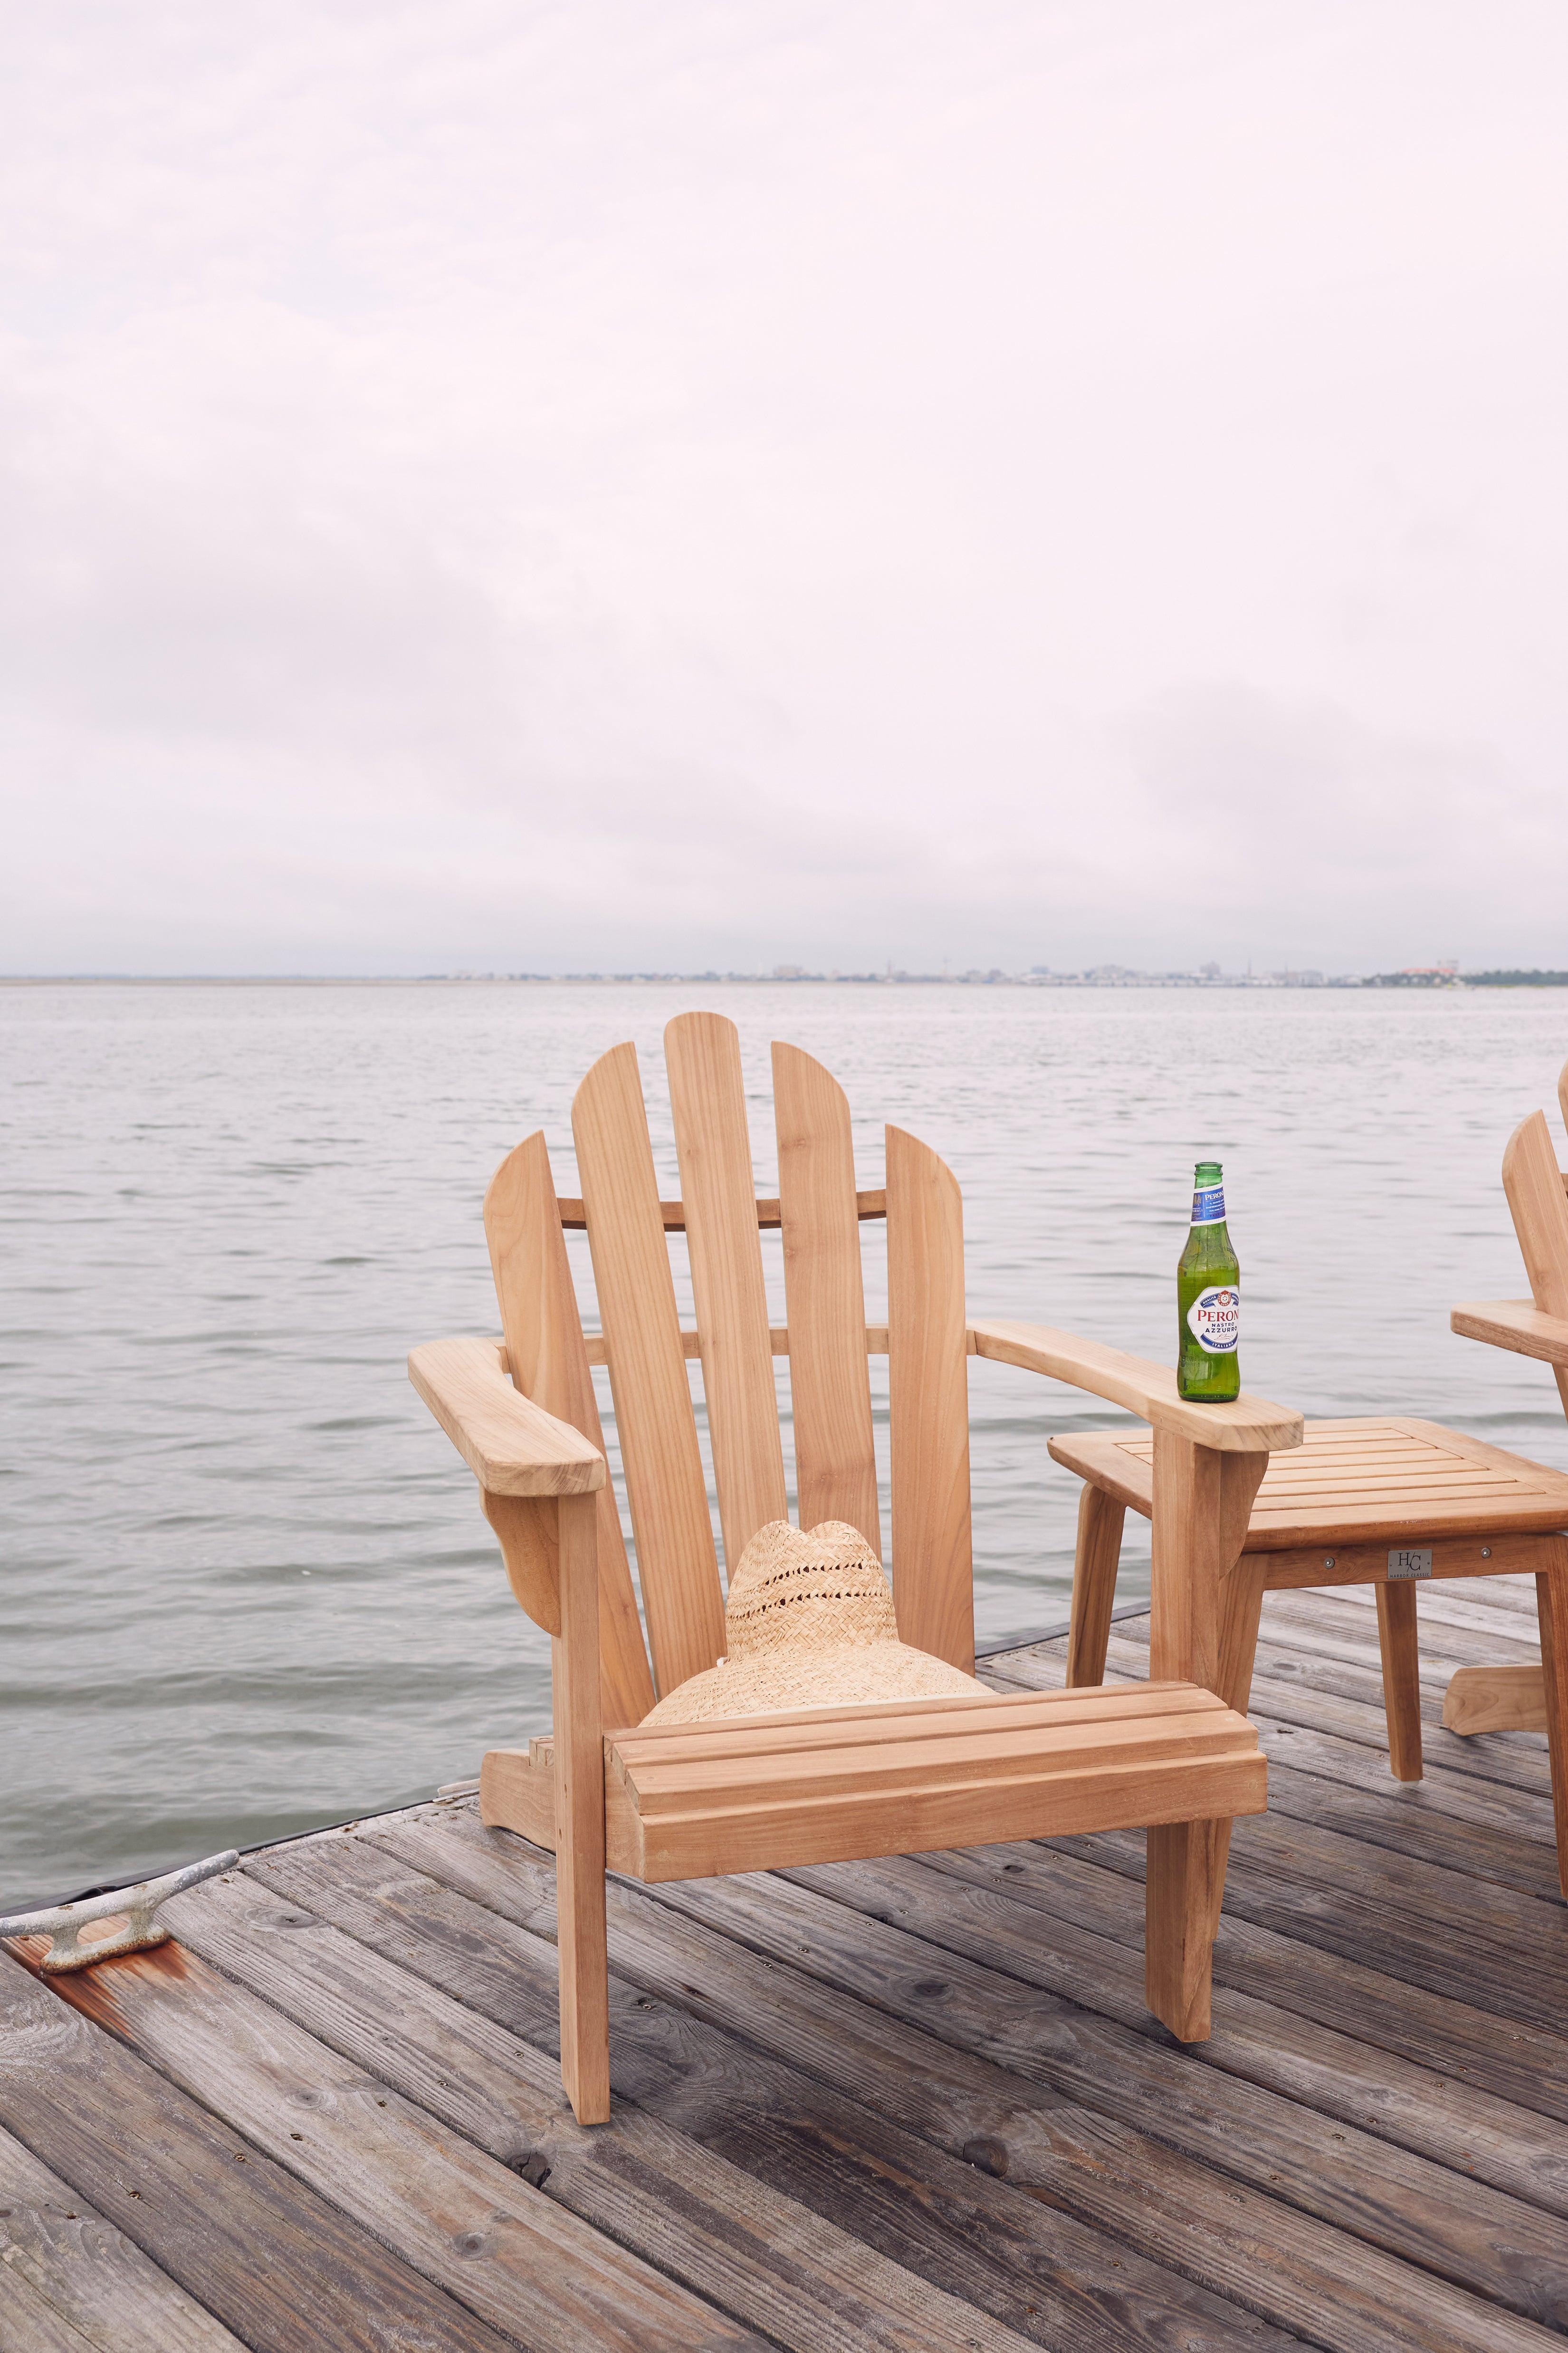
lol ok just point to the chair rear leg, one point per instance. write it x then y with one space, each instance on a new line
582 1949
1551 1603
1401 1678
1099 1520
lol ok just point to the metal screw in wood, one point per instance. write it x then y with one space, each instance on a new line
71 1926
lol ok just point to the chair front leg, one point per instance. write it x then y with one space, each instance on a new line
581 1936
1095 1563
1203 1501
1552 1605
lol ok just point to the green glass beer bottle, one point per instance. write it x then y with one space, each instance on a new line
1208 1297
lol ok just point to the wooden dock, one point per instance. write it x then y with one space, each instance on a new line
912 2105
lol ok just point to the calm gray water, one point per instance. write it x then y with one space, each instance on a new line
246 1585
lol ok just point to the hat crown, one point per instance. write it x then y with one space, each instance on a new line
805 1590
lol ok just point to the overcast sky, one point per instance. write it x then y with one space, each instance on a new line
490 485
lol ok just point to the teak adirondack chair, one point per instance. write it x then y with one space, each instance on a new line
1391 1502
834 1783
1529 1698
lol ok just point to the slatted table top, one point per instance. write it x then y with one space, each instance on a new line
907 2106
1350 1481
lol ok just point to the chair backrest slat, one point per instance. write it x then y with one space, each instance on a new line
549 1361
830 1390
717 1188
928 1396
665 1490
1533 1183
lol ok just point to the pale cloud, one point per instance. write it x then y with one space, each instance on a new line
616 486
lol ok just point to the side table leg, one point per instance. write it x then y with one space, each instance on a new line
1099 1519
1401 1678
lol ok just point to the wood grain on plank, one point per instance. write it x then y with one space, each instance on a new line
935 2209
1445 2033
708 1099
466 2223
1348 1702
725 2235
793 1926
236 2231
1457 1823
1340 2037
549 1363
678 1568
69 2277
959 1935
1321 1865
1015 2123
830 1395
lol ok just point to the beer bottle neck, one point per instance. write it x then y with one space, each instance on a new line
1208 1198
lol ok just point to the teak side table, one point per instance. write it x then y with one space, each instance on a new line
1388 1502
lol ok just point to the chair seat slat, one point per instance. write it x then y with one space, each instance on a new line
969 1777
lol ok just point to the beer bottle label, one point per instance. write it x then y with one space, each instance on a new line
1208 1206
1214 1319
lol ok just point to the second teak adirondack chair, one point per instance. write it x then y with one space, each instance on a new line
826 1783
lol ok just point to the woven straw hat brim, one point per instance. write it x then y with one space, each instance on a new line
838 1674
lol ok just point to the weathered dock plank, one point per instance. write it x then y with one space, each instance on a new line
1042 2270
914 2103
276 2263
1214 2225
735 2240
70 2279
470 2226
1338 2037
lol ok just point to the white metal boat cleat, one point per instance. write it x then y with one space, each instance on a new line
97 1927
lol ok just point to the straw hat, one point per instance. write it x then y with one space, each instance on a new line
809 1623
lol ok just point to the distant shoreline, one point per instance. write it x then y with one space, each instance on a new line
1272 984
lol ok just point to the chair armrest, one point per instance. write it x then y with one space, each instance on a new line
1248 1425
511 1446
1513 1323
